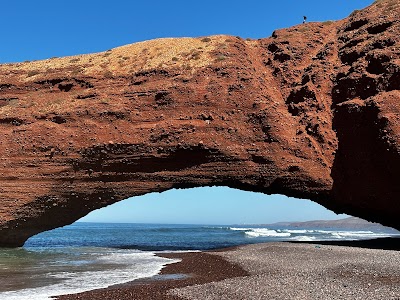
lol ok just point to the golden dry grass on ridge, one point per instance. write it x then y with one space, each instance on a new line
158 53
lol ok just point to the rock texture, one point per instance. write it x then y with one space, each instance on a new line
311 112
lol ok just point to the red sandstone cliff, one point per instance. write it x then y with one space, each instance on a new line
312 112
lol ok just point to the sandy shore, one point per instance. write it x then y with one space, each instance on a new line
195 268
271 271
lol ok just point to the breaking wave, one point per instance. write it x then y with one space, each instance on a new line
309 234
102 268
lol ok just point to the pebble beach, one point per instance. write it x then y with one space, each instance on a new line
270 271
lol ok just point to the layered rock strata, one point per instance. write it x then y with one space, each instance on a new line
311 112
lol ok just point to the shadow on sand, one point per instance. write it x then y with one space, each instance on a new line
380 243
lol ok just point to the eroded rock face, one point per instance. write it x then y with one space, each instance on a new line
312 112
366 103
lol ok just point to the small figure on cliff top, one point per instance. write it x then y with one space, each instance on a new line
304 19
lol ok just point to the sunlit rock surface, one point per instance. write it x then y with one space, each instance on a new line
311 112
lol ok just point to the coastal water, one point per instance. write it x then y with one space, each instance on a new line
87 256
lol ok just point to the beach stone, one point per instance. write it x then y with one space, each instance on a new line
297 271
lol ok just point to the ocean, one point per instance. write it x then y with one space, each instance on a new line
87 256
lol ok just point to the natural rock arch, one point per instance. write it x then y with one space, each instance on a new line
312 112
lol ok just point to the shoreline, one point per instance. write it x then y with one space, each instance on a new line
282 270
194 268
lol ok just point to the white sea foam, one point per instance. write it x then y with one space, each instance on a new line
350 235
342 231
257 232
262 232
300 231
240 229
309 234
132 264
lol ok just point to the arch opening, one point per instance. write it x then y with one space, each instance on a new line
156 221
210 206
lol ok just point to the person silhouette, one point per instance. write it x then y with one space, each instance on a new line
304 19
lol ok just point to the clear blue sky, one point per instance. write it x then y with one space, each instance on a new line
47 28
42 29
210 205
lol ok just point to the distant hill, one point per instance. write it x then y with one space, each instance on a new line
347 223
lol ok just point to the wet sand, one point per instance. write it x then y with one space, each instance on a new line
272 271
195 268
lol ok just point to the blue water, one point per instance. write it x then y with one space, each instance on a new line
86 256
148 237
